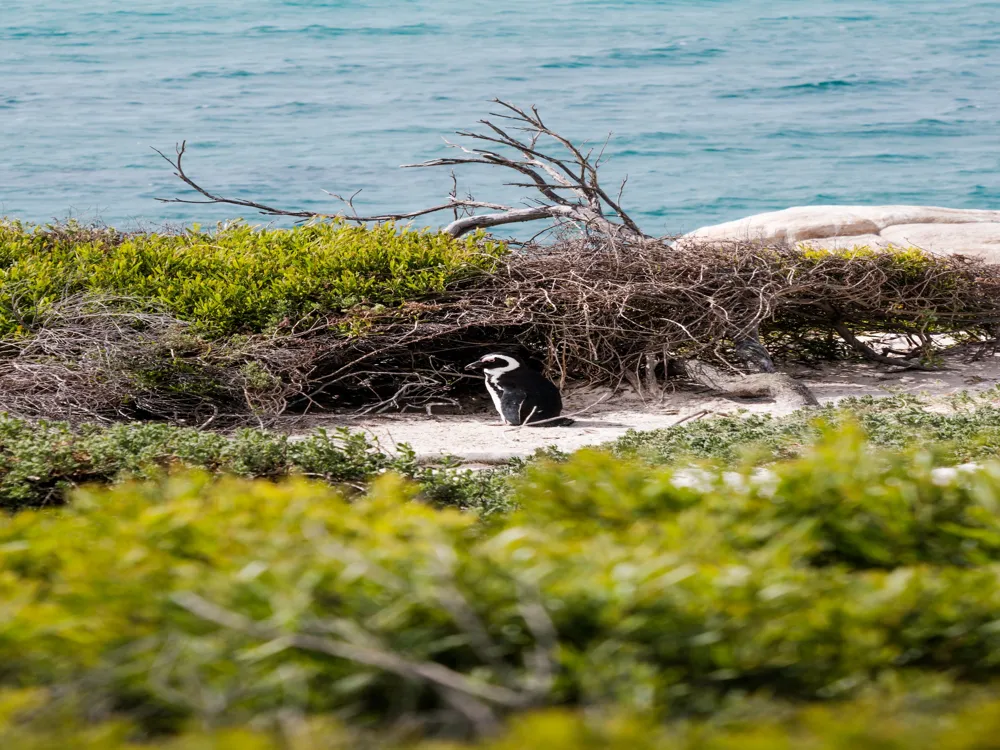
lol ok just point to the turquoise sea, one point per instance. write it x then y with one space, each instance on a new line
718 108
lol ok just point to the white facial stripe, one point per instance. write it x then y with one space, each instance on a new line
494 371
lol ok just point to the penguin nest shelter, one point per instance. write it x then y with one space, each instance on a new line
595 311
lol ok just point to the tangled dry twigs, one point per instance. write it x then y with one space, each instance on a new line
600 311
106 358
603 311
83 358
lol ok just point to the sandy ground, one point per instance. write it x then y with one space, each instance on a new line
477 437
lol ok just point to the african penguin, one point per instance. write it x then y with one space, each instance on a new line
519 393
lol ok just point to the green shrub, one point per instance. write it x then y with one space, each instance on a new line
40 461
238 279
616 583
968 432
852 726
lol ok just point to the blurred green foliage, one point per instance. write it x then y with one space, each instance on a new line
873 723
237 279
658 591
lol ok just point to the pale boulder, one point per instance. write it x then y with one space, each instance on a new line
940 230
979 240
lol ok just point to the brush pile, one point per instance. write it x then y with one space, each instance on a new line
605 312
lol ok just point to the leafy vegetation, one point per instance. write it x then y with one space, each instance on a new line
40 461
615 584
236 280
234 325
967 429
664 593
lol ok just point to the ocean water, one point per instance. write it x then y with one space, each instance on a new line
717 108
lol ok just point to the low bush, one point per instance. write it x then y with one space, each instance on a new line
968 429
40 461
616 584
233 325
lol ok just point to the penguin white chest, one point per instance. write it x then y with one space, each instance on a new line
495 395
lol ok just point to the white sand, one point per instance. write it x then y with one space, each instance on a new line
478 437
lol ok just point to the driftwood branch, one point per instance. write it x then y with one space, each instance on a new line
762 384
870 354
567 182
177 162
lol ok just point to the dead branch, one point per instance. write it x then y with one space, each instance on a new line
568 182
177 164
870 354
763 384
110 358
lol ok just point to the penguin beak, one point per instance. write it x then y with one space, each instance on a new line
477 365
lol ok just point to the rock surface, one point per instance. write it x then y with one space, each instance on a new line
939 230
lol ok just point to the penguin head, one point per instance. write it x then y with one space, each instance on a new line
494 364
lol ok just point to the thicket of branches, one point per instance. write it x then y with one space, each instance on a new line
596 312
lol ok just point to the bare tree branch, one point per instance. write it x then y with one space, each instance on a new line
177 164
514 216
574 172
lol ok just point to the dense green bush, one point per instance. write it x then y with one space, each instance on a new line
616 583
238 279
841 503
